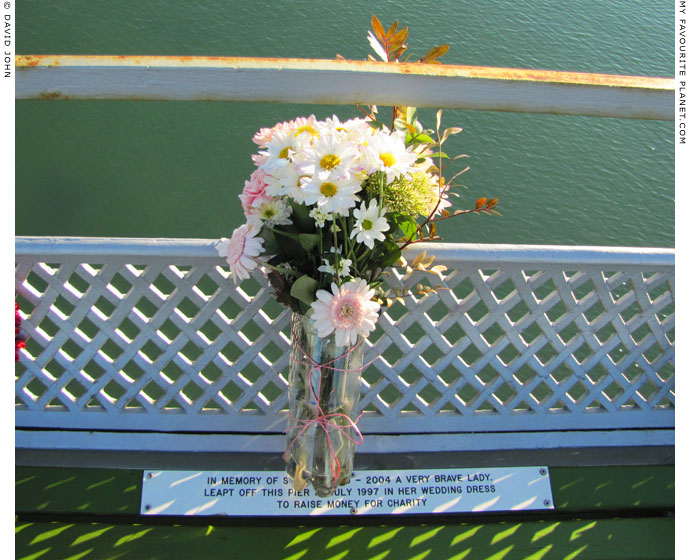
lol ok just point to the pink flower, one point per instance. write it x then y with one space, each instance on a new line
254 192
348 310
19 342
300 124
263 136
241 251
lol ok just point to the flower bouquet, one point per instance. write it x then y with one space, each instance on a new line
330 206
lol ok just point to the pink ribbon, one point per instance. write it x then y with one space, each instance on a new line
328 421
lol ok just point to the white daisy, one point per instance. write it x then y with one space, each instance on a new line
241 251
272 212
283 145
310 128
330 153
332 193
386 152
348 310
370 224
358 131
282 177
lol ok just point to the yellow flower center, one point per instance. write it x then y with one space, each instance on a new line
330 161
347 310
387 159
329 189
284 152
306 128
367 224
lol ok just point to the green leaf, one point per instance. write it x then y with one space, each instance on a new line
424 138
281 288
271 246
283 233
309 240
304 289
301 218
274 263
290 247
392 255
409 228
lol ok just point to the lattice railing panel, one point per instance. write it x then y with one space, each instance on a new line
161 339
508 346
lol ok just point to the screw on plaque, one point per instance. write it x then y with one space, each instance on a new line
353 511
150 475
147 507
542 472
547 503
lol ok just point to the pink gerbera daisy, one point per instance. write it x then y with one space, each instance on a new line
348 310
241 251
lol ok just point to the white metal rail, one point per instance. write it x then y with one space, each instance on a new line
342 82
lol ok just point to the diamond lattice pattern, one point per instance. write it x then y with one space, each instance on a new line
171 347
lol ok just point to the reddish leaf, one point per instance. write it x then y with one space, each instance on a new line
434 53
378 28
480 202
400 37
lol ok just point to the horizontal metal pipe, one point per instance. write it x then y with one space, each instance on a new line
104 248
342 82
62 441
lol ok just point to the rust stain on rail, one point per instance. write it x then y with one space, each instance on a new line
52 95
299 64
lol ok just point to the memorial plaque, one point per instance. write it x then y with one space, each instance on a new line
380 492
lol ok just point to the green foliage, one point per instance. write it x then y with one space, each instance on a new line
309 240
304 289
301 218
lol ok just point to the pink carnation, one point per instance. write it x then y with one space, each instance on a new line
254 193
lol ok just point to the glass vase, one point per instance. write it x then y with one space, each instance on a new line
324 390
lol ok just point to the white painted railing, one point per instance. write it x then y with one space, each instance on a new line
145 346
537 344
343 82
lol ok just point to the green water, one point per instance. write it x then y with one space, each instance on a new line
174 169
